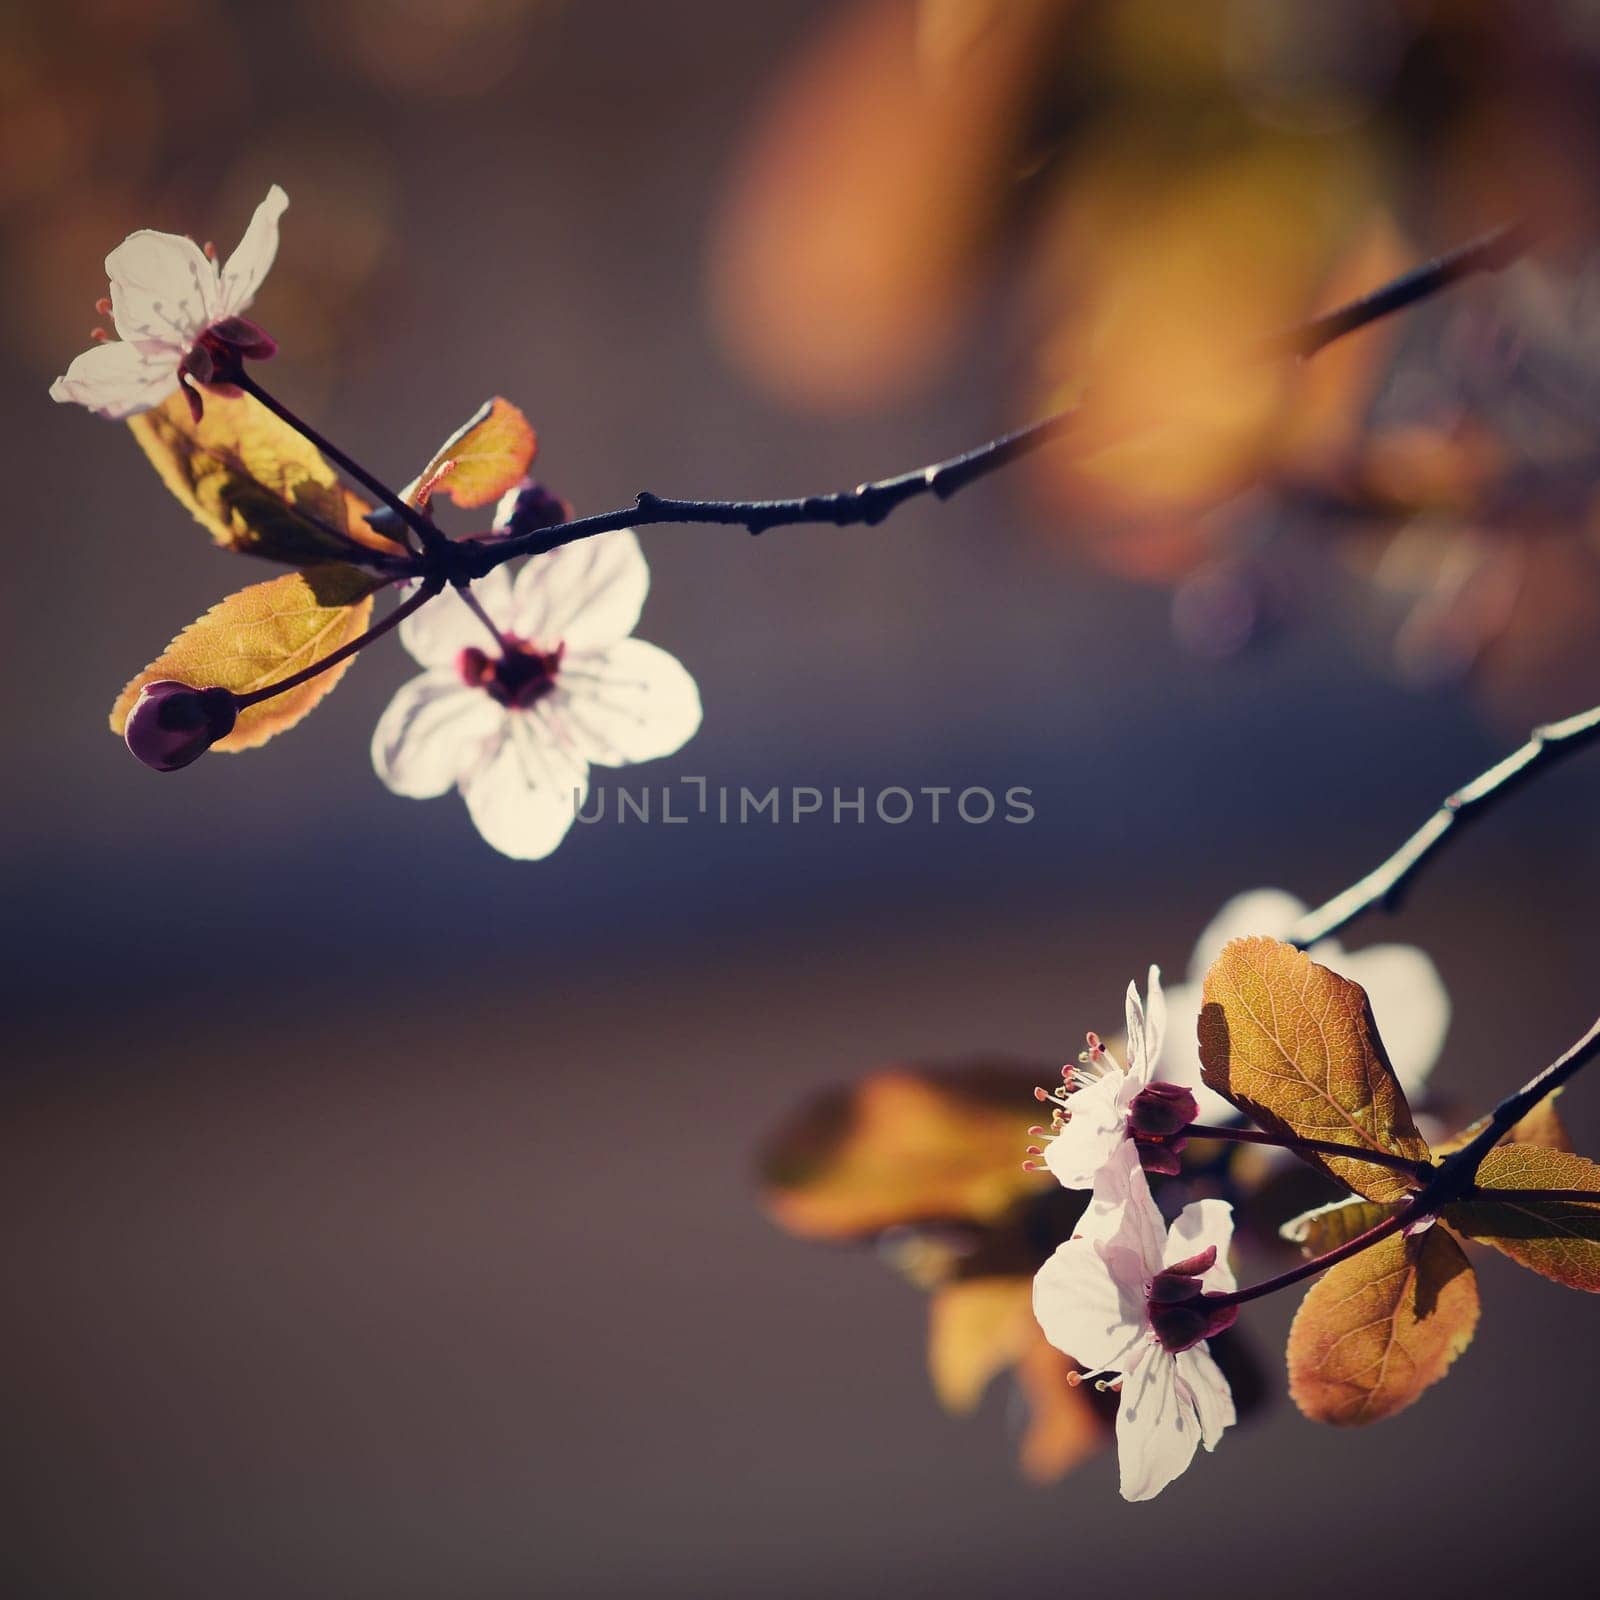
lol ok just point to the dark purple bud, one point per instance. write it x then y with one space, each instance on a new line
536 507
1161 1110
171 724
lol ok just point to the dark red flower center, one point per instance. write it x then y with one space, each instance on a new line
523 675
1181 1312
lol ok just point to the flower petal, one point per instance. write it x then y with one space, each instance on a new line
1155 1021
523 800
162 287
633 702
119 379
505 505
435 732
1199 1225
1209 1392
1145 1032
252 257
444 627
1082 1308
1157 1429
1409 1001
586 595
1091 1135
1134 1028
1123 1191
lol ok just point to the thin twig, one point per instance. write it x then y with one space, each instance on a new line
1492 252
1452 1180
424 527
870 503
1384 884
1462 1167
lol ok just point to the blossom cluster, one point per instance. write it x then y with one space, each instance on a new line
528 682
1127 1296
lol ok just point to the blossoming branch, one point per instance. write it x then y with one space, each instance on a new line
513 716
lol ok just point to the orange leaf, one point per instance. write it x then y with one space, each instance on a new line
978 1328
482 459
1066 1422
903 1147
1558 1239
260 636
1378 1329
252 481
1296 1047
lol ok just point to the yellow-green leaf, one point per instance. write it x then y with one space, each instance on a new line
251 480
1295 1046
482 459
1559 1239
260 636
904 1146
1378 1329
1327 1227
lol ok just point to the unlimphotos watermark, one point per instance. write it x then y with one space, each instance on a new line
801 802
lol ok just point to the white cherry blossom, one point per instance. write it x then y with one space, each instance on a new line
167 294
1122 1299
1095 1100
516 731
1408 997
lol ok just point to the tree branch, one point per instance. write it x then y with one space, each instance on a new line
1458 1170
1452 1179
1385 884
870 503
422 525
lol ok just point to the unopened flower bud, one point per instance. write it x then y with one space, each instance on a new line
172 724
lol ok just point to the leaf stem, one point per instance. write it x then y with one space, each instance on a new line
1331 1147
869 503
430 587
1545 747
423 525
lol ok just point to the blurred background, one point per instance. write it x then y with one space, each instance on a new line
381 1215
